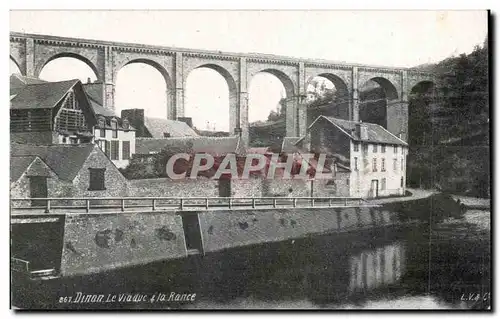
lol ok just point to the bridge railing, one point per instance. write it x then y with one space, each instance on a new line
96 204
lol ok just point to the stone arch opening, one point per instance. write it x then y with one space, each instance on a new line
374 97
68 56
267 97
327 94
14 67
141 80
420 134
272 103
208 105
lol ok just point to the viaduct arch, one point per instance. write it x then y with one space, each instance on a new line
32 52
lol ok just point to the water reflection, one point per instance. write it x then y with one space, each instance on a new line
407 268
376 268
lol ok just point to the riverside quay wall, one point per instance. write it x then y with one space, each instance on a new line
85 243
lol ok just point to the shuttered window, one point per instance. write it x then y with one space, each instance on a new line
126 150
96 179
107 150
115 149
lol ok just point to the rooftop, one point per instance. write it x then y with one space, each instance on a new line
65 160
158 126
375 132
190 144
37 94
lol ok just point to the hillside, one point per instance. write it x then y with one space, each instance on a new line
449 135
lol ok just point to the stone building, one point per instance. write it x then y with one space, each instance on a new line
368 160
39 171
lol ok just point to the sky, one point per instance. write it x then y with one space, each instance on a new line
387 38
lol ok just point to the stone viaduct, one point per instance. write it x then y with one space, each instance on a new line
32 52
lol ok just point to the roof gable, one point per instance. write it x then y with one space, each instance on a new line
44 95
65 160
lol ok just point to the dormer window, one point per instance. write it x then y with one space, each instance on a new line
114 127
102 126
126 124
101 122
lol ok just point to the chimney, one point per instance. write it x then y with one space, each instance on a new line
361 131
187 120
136 118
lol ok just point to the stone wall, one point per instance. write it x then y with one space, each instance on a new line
287 188
226 229
165 187
95 243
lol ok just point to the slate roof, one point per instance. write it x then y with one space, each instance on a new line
18 166
376 133
44 95
65 160
18 82
94 94
158 126
101 110
197 144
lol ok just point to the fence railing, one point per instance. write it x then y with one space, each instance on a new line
48 205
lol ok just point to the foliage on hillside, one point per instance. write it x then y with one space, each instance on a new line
449 136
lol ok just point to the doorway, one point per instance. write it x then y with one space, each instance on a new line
38 189
224 187
192 232
374 188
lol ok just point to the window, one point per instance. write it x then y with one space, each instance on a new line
402 182
356 147
347 182
365 147
395 165
383 165
102 132
382 148
375 148
115 149
107 148
374 165
355 163
96 179
126 124
395 149
382 187
402 164
114 127
126 150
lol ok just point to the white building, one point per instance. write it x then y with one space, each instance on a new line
115 137
370 161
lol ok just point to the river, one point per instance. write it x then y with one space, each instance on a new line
446 266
